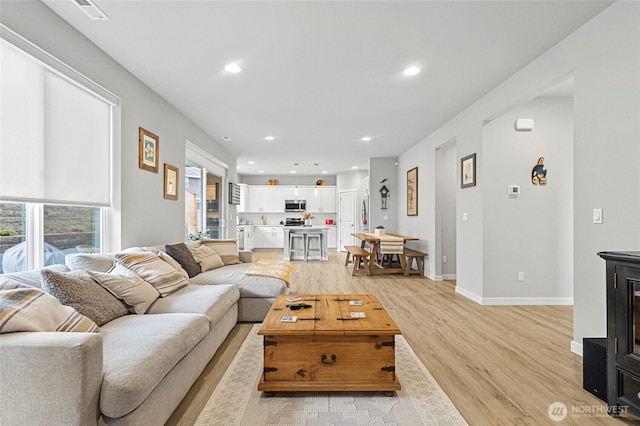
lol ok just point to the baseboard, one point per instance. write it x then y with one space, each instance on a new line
514 300
528 301
469 295
433 277
449 276
576 347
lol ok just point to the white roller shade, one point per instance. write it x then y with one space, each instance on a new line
55 135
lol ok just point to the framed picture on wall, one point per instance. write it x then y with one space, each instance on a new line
170 182
468 171
148 150
412 192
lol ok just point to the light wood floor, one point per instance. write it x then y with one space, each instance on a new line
499 365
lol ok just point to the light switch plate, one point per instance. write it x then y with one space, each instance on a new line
597 216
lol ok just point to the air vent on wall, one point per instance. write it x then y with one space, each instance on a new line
91 10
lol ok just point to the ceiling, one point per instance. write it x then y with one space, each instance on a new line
319 76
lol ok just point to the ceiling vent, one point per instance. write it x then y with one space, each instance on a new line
91 10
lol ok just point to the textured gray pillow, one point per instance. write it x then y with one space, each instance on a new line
181 253
78 290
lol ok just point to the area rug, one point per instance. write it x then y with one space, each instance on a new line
236 400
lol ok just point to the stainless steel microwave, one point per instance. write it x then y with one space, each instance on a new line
295 205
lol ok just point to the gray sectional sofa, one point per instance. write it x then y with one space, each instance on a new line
137 368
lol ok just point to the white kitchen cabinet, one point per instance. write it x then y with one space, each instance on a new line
332 237
271 199
249 238
324 201
260 199
269 237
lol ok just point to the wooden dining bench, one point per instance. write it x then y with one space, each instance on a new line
410 255
359 255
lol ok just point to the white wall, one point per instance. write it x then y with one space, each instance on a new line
141 215
380 169
533 232
604 58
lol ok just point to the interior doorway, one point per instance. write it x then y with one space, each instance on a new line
203 206
446 192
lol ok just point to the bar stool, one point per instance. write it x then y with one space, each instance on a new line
318 250
302 251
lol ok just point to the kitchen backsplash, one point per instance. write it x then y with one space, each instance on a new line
275 218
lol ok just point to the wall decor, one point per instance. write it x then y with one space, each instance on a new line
384 195
148 150
539 173
412 192
468 171
170 182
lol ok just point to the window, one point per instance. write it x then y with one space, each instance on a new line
64 230
55 157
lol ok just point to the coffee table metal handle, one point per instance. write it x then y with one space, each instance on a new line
324 359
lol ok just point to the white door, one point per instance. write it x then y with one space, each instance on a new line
347 219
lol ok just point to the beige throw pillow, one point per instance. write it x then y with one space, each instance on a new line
127 286
171 261
154 270
206 257
26 308
227 249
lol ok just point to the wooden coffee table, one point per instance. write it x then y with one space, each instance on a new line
327 348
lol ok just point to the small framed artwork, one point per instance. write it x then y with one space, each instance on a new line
148 150
170 182
468 171
412 192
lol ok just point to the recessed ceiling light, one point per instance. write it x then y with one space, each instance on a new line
292 171
324 172
251 162
366 139
354 167
234 68
270 138
260 171
411 71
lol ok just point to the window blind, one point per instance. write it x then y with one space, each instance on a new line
55 135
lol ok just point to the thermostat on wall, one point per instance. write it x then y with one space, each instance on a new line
514 190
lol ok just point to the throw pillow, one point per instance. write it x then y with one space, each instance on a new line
183 256
127 286
227 249
206 257
171 261
154 270
26 308
78 290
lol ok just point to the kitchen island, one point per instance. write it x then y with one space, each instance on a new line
315 246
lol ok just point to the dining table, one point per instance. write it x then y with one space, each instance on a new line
374 241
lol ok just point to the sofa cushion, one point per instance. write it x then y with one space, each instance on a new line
33 278
249 285
212 301
127 286
78 290
171 261
139 351
206 257
227 249
25 308
154 270
181 253
100 262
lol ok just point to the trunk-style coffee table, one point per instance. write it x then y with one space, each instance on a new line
343 342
